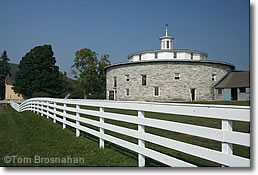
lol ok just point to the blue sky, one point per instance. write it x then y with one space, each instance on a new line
120 27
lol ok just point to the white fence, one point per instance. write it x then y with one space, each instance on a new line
16 101
52 108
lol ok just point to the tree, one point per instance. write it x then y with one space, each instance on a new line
102 74
85 70
38 75
72 89
4 71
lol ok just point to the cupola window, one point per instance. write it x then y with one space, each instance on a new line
156 55
175 54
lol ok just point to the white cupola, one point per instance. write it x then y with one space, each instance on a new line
166 41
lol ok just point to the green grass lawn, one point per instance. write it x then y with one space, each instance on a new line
27 134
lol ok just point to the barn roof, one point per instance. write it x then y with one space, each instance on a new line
235 79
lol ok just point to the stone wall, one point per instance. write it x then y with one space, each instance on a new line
193 75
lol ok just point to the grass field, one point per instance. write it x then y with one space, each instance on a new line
27 134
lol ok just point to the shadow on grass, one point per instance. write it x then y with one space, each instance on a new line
133 155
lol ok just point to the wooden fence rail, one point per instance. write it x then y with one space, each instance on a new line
73 109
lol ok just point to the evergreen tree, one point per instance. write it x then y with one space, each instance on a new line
38 75
4 71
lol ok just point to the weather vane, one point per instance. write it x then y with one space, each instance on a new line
166 29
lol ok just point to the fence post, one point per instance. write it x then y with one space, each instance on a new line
47 109
101 129
141 143
77 122
227 148
64 118
54 119
41 108
33 106
37 106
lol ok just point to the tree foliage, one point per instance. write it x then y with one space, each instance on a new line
38 75
90 72
4 71
104 61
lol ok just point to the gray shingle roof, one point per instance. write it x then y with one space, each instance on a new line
235 79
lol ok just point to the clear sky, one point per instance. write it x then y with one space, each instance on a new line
120 27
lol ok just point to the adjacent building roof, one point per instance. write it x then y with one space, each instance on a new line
9 80
235 79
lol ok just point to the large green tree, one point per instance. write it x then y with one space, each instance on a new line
4 71
38 75
90 72
104 61
85 70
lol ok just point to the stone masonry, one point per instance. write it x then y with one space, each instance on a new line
193 75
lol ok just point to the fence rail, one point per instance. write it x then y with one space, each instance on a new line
62 109
8 101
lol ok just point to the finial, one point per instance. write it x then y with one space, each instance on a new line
166 29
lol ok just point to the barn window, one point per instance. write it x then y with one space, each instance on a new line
127 92
191 56
127 78
220 91
140 57
144 80
177 76
156 91
167 44
242 90
115 82
214 77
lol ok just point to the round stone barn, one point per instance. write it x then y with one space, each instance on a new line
165 75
